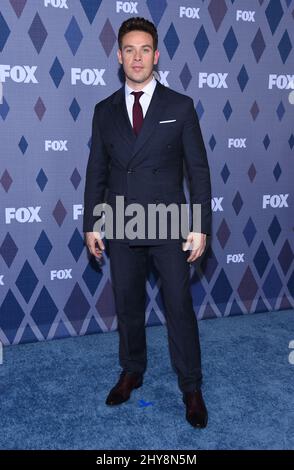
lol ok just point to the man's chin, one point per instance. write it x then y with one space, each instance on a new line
137 79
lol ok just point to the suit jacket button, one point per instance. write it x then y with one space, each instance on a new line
130 171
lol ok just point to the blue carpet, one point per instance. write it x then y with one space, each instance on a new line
52 393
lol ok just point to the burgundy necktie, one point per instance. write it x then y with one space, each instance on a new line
137 112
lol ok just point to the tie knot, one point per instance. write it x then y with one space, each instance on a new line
137 94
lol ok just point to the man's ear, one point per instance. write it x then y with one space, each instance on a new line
156 56
119 56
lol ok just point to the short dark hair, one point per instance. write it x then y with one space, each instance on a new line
138 24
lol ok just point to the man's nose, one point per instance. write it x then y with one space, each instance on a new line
138 56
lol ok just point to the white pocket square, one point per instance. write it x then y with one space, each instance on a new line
165 122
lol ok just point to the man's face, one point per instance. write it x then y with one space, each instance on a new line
137 57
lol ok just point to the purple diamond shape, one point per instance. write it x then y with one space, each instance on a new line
223 233
252 172
18 6
217 10
59 213
247 289
107 37
6 180
254 110
37 33
258 45
40 108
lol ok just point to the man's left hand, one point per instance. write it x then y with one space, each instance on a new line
197 242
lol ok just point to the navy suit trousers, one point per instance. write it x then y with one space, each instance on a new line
129 268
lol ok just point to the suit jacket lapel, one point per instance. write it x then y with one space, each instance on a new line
121 117
155 109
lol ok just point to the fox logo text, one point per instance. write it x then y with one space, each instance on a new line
61 274
18 73
22 214
87 76
56 3
126 7
245 16
161 77
237 143
212 80
276 201
56 145
283 82
189 12
78 210
235 258
216 204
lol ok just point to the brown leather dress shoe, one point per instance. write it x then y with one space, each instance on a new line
121 392
196 412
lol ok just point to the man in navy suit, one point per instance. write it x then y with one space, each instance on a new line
142 136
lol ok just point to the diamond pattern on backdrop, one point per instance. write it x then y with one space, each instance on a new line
49 286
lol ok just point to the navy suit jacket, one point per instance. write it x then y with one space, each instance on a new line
148 168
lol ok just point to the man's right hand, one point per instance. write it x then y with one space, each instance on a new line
92 240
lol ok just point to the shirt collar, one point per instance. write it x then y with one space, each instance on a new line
148 89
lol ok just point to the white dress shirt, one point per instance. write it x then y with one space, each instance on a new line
144 99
